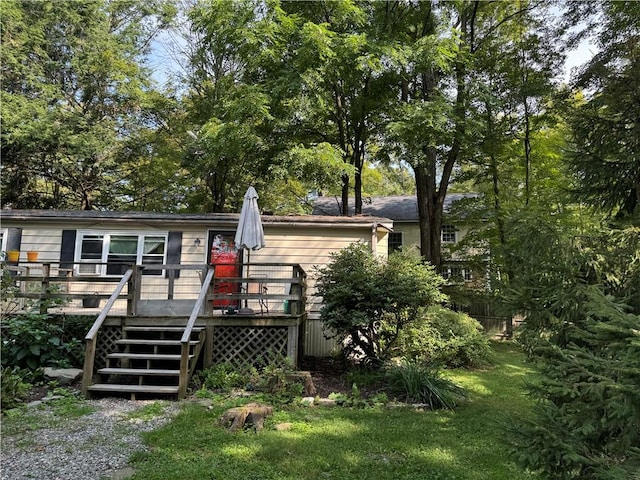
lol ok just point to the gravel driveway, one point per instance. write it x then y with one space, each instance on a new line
92 447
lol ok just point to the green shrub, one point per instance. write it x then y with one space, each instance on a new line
271 377
367 301
445 337
587 420
36 340
417 382
14 387
222 376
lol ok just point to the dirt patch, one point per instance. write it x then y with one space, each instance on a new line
38 392
327 383
330 376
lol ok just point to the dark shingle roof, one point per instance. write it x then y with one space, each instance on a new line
399 208
79 216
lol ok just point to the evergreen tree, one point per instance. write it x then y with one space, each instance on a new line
605 159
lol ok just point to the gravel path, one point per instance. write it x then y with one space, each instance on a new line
92 447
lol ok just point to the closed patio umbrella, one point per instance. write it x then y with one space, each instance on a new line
250 234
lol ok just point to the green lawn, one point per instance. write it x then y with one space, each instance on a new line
341 443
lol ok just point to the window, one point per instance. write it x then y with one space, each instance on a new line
467 275
118 251
395 241
448 234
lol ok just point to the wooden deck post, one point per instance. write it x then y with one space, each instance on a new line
292 344
87 370
46 272
208 347
133 290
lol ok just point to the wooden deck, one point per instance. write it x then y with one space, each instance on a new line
153 332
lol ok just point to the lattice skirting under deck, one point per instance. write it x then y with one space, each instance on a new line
107 338
254 345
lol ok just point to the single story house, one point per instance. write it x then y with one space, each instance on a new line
98 247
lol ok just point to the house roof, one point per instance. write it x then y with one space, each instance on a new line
399 208
226 219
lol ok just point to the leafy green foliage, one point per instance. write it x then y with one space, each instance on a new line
272 377
73 90
604 160
222 376
356 400
417 382
367 302
35 340
444 337
14 387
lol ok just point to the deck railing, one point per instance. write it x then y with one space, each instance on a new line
260 288
185 373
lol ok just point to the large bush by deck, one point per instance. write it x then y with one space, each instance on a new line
367 301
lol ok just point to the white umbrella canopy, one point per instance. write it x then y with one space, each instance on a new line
250 234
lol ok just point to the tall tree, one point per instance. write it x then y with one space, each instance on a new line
73 89
225 111
453 80
606 126
341 82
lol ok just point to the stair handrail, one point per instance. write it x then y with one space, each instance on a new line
186 336
90 351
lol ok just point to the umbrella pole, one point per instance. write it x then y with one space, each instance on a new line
246 300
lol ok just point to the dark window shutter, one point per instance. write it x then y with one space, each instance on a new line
174 251
68 249
14 239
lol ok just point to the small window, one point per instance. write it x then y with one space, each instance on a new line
457 273
448 234
467 275
123 251
452 273
395 241
90 251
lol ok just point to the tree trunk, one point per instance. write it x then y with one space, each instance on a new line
345 195
429 209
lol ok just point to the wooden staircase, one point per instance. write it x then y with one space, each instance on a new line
148 362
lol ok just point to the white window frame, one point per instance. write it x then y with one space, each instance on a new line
3 242
101 270
401 241
451 233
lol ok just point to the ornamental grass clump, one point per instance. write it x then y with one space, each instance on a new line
416 382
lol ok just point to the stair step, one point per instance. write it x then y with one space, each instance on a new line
139 371
160 329
140 341
108 387
146 356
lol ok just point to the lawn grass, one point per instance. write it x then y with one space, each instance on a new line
342 443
